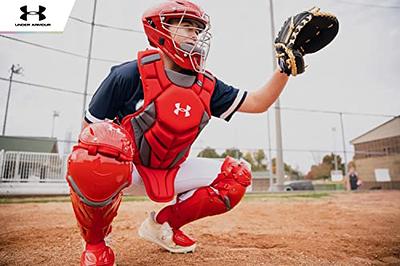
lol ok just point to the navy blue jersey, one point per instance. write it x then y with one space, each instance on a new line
121 93
353 179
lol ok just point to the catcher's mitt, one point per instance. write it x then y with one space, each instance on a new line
304 33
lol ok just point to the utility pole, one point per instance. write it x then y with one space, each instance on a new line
15 69
334 147
278 127
55 114
89 59
270 172
344 144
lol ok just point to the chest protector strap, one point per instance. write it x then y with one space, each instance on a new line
167 124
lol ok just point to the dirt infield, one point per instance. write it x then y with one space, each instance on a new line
341 228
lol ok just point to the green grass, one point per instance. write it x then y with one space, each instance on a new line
44 199
255 196
135 198
287 196
39 199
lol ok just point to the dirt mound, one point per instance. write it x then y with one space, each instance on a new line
341 228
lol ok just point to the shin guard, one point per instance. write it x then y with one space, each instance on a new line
94 222
99 167
221 196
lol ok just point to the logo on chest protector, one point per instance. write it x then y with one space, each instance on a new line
178 109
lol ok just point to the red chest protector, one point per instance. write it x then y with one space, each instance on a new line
167 124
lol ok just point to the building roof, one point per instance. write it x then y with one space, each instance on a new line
28 144
388 129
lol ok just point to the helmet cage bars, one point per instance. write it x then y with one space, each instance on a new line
196 52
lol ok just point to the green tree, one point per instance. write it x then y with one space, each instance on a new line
320 171
294 174
330 160
249 158
288 170
233 152
323 169
259 157
208 153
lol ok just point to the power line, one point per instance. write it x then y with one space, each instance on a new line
106 26
44 86
335 112
58 50
273 149
256 149
80 20
367 5
244 149
42 46
283 108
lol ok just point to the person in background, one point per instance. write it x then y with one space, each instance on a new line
352 179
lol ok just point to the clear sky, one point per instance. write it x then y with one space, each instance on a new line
356 73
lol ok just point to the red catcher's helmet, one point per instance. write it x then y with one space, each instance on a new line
101 163
158 28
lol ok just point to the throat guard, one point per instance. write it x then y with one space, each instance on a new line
167 124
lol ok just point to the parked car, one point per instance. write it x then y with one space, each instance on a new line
298 185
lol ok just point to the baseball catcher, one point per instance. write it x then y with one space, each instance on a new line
146 114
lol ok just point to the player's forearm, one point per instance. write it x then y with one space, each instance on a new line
268 94
84 124
260 100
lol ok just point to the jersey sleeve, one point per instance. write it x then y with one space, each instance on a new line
226 100
113 92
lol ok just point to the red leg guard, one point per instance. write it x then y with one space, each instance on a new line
94 222
97 254
223 194
99 167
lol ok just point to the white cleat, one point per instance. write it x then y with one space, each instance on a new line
173 240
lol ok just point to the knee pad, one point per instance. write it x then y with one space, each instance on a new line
99 167
221 196
232 182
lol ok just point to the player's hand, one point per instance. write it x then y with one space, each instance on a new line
302 34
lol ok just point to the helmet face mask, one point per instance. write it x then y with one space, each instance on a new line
168 25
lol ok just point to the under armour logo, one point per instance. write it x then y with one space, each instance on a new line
24 16
179 109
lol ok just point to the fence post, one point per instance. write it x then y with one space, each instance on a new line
16 173
2 162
